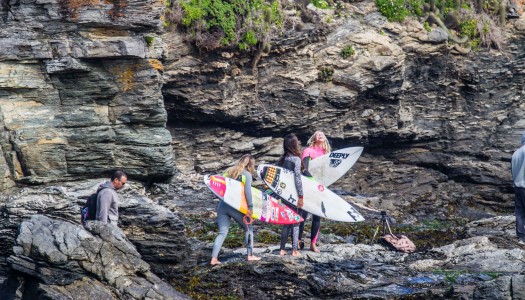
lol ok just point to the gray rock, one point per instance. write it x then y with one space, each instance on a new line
518 287
437 35
164 243
496 289
60 254
65 65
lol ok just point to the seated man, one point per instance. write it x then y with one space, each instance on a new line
107 198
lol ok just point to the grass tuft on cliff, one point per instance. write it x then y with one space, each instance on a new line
469 24
213 24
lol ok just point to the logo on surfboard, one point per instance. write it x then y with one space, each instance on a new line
334 162
339 155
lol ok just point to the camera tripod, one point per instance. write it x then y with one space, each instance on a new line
384 223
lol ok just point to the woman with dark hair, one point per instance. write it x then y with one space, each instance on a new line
291 160
241 171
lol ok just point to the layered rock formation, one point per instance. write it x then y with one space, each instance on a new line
438 127
88 86
80 94
58 260
80 90
156 232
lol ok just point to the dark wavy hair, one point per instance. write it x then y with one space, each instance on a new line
292 147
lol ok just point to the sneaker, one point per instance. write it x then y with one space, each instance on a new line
521 242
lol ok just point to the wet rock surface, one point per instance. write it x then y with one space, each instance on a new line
475 267
454 260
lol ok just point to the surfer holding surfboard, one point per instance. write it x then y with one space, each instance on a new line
317 146
291 160
242 171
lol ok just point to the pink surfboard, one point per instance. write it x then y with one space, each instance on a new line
265 207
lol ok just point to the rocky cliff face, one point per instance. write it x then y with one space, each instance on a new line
80 90
438 127
87 87
90 86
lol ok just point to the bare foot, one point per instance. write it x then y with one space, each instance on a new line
253 257
282 252
296 253
214 261
314 248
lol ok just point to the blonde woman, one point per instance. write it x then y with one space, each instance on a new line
241 171
317 146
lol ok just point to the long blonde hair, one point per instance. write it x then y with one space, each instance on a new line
246 162
325 145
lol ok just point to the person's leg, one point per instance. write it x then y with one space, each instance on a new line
303 214
519 211
295 240
314 233
248 239
248 232
284 236
223 222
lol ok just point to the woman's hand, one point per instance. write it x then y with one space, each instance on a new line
300 202
249 213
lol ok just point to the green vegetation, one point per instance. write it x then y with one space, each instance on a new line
451 276
206 230
326 74
398 10
221 23
469 28
427 26
149 40
393 10
469 24
347 51
323 4
196 288
268 237
429 234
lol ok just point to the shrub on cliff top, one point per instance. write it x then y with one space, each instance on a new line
347 51
468 23
222 23
393 10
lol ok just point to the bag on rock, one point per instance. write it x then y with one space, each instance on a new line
89 210
397 242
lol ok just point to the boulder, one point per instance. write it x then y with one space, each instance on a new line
59 259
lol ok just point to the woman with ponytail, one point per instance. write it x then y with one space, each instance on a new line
241 171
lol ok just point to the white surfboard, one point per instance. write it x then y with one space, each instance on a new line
328 168
318 200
